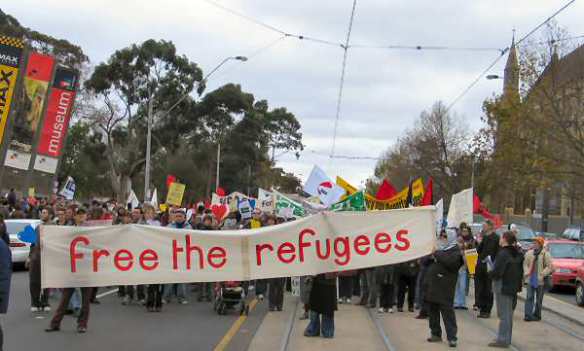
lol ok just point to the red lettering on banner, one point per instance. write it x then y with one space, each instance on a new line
380 239
146 256
219 253
259 249
73 255
286 249
175 251
328 249
122 256
403 240
362 240
191 249
302 244
96 255
344 255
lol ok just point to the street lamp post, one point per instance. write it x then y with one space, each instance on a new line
151 115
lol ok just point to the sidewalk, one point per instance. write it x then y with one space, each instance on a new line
354 330
571 312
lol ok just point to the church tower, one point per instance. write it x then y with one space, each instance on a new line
511 75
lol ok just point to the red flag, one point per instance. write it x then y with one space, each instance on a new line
476 204
428 199
220 191
386 191
169 180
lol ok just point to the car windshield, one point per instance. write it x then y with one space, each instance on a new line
525 233
567 251
16 227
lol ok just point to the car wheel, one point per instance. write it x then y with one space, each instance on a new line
580 294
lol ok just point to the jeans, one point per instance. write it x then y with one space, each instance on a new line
75 301
315 327
67 295
154 299
261 286
505 307
449 318
460 293
181 291
533 302
205 291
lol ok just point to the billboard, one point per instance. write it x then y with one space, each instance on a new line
10 59
56 123
36 84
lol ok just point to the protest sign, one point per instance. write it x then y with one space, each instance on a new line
265 200
175 194
471 257
355 202
461 208
244 208
68 191
283 202
325 242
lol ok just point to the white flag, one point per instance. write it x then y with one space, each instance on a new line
265 200
133 199
154 199
460 209
68 190
439 214
319 184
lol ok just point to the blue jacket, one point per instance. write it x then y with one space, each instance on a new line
5 275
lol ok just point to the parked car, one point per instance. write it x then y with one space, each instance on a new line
548 235
580 285
574 233
19 249
525 236
567 258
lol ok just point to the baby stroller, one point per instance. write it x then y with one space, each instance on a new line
228 295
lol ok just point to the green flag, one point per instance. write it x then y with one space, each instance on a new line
283 203
355 202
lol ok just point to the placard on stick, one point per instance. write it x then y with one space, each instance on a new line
175 194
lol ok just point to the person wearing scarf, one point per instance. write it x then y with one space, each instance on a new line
439 286
536 266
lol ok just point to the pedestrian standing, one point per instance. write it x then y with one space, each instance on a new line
154 291
39 298
385 285
86 293
425 263
364 287
323 304
179 221
305 287
346 286
507 275
205 288
407 276
537 267
275 285
5 275
440 284
487 250
465 242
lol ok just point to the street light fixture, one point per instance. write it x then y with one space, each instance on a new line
494 76
150 116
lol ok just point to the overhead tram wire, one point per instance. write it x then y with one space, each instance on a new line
424 47
476 80
342 81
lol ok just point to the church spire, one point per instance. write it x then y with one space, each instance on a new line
511 77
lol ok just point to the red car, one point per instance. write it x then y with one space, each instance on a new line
567 258
580 285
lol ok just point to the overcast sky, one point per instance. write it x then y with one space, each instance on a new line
385 90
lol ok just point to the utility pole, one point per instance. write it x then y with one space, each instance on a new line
218 163
148 145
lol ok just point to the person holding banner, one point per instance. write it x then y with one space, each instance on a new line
465 242
440 284
205 292
86 294
179 218
323 304
276 285
39 297
154 291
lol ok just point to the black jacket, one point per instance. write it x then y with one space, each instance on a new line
509 269
489 246
440 279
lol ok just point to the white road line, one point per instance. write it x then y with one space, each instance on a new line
113 291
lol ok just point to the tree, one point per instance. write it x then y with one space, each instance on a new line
134 77
438 146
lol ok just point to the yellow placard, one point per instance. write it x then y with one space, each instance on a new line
7 83
163 207
472 257
400 200
255 224
175 194
31 192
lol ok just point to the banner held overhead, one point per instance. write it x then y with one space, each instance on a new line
10 60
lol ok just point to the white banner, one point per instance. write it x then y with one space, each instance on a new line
460 209
326 242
